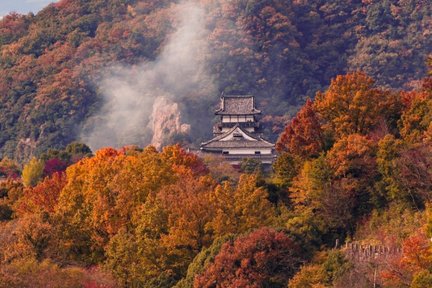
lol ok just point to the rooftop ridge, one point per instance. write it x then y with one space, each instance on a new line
243 104
237 96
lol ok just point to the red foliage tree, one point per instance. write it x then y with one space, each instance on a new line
43 197
264 258
54 165
303 136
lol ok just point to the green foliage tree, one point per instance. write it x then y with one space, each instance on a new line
250 165
286 167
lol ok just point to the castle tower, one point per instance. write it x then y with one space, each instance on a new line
236 135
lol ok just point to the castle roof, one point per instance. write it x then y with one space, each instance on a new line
236 137
237 105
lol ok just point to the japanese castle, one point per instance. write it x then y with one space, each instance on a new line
236 135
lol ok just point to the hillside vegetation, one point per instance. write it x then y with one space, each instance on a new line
354 164
51 63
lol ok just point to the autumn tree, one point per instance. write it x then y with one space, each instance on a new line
203 260
303 136
9 168
350 105
241 208
32 273
263 258
324 271
401 167
286 167
43 197
32 172
417 117
103 192
333 191
169 229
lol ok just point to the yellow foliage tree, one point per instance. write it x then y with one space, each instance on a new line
32 172
240 209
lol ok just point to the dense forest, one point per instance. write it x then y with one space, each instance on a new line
52 64
354 169
348 89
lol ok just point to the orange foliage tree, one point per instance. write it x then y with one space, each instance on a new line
350 105
43 197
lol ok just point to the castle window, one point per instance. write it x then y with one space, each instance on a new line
237 136
225 152
257 152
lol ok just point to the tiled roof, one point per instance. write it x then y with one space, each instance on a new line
237 105
237 144
240 142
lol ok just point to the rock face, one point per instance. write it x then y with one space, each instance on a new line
165 122
25 149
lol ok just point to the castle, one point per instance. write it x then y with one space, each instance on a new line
237 134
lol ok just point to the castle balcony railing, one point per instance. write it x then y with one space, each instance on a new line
242 124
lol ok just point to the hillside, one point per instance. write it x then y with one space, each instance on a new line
348 204
92 70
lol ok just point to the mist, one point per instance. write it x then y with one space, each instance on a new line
142 100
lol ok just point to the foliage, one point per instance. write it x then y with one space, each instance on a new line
285 167
250 165
240 209
280 51
324 271
263 258
32 172
303 136
355 162
31 273
9 169
350 105
43 197
202 260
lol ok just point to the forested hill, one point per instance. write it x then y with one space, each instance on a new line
52 63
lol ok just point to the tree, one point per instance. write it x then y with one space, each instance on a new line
9 168
203 260
350 105
54 166
303 137
180 159
404 171
250 166
286 167
263 258
189 212
240 209
324 271
32 172
32 273
43 197
316 195
417 117
333 189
